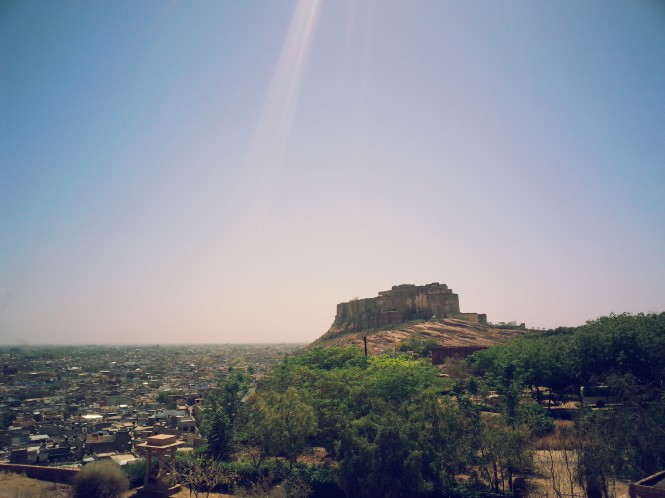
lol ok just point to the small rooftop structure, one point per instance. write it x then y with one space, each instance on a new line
92 416
162 441
160 445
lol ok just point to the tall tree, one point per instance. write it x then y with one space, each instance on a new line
221 409
281 423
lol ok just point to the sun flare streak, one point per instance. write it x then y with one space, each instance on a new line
271 140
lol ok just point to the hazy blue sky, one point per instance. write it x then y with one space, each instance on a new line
228 171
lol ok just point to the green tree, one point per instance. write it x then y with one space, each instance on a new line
380 460
622 344
219 432
332 396
393 381
414 450
420 345
166 397
447 431
329 380
7 419
331 358
221 409
504 453
281 423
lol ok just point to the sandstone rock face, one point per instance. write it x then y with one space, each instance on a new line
400 304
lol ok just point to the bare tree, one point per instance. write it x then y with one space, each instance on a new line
205 474
558 460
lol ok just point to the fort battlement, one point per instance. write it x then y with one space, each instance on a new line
400 304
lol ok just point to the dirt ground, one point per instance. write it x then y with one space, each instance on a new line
19 486
544 462
184 493
555 465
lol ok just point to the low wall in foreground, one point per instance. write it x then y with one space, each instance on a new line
649 487
440 353
51 474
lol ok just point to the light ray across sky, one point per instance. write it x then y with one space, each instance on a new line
268 147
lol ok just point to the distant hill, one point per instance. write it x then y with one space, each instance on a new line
446 331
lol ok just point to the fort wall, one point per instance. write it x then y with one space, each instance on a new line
400 304
469 317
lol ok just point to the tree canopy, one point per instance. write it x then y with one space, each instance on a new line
395 427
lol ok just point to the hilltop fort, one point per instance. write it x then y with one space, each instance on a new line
398 305
429 312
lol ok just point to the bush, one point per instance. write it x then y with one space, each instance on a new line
135 472
270 472
536 418
321 480
420 345
101 479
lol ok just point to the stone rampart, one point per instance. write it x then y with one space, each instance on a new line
400 304
469 317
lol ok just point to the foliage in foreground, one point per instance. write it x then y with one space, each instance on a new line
393 427
386 421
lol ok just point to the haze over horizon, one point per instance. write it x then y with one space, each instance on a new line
219 172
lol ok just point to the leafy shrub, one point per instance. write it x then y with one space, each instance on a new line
135 472
536 419
330 358
421 346
322 481
270 472
101 479
275 479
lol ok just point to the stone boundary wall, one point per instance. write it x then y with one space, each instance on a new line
51 474
646 488
439 354
469 317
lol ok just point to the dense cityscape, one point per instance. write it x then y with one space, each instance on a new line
69 405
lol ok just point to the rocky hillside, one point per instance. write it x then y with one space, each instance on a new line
447 331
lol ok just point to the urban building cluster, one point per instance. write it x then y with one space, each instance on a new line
68 405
